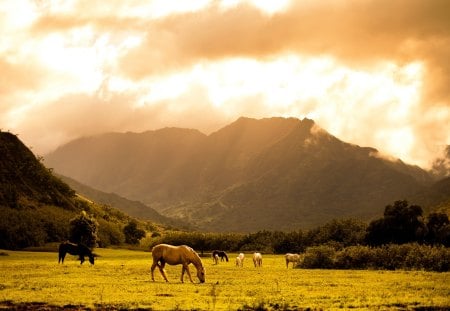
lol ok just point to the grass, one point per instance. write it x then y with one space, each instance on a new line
120 279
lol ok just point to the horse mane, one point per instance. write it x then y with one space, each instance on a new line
195 257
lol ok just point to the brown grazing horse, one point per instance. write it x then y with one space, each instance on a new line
74 249
177 255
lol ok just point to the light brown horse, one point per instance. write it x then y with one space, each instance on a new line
177 255
294 258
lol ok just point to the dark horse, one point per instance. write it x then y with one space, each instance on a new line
221 254
75 249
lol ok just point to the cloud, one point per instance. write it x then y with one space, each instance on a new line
76 115
372 72
357 33
15 77
360 35
352 31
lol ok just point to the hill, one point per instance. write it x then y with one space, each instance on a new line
36 207
271 173
132 208
435 197
25 181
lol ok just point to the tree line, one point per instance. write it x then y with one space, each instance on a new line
401 239
401 223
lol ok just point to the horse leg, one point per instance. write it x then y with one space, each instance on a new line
61 257
152 269
186 268
161 269
182 274
81 259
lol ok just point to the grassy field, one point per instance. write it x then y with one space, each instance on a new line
121 279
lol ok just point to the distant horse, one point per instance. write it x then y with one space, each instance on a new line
221 254
257 259
216 259
240 260
294 258
177 255
74 249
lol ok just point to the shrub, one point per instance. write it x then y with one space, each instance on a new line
407 256
319 257
132 233
109 234
355 257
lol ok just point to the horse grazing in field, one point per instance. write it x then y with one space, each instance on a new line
177 255
240 260
294 258
75 249
221 254
257 259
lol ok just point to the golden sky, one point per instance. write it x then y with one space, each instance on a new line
371 72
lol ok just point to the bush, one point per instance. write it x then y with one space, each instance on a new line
20 228
390 257
132 233
355 257
423 257
109 234
319 257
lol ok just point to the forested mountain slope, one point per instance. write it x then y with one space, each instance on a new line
36 207
271 173
132 208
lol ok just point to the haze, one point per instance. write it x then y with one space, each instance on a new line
371 72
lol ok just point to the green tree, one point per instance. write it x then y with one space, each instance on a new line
401 224
83 230
132 233
438 226
344 232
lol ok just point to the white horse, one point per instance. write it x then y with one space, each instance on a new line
294 258
216 259
257 259
240 260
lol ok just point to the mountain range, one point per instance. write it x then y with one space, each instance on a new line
274 173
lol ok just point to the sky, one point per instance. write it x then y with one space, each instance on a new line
371 72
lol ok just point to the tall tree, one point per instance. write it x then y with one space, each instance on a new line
438 226
402 223
83 230
132 233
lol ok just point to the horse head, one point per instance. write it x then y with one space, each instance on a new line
201 274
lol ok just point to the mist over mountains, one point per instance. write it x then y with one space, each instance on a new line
253 174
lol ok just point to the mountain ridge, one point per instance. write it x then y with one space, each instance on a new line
284 173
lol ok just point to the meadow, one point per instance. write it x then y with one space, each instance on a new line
120 279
